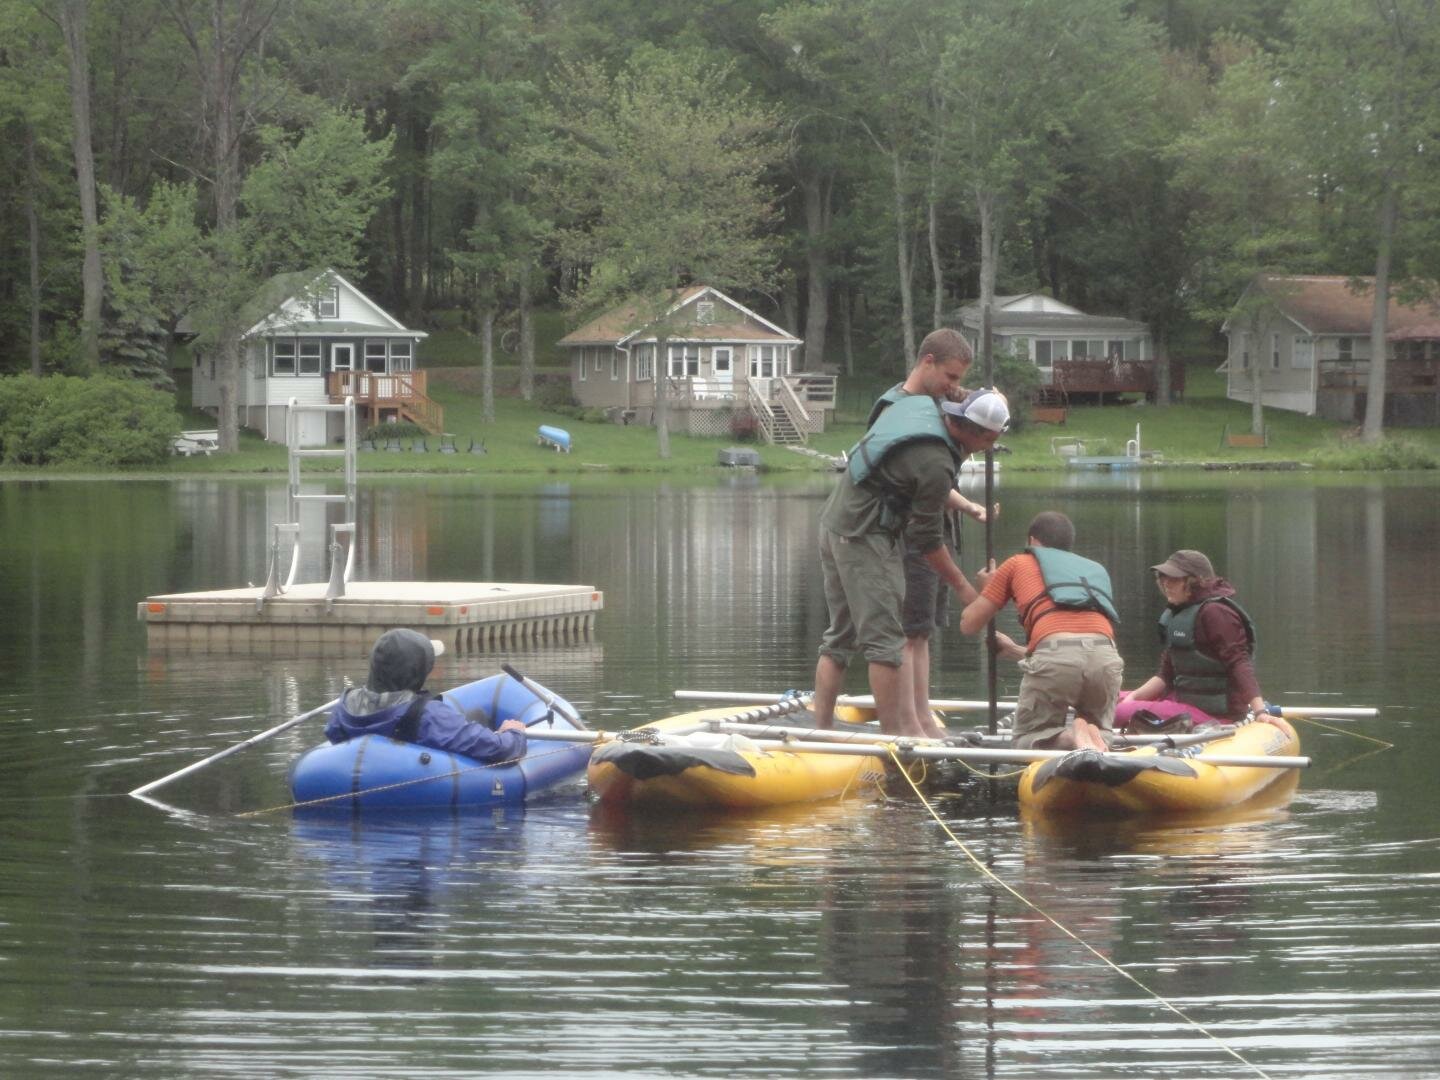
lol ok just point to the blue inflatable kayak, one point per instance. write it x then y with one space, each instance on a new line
376 772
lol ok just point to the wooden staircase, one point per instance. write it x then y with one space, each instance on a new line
378 394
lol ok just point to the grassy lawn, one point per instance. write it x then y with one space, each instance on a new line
1185 434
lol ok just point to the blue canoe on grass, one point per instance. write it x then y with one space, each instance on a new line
377 772
554 437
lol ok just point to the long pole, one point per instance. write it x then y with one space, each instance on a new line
547 698
261 737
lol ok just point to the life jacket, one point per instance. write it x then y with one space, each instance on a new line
1072 582
910 419
1200 680
884 401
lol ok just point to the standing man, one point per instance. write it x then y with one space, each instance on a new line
899 476
1068 611
944 360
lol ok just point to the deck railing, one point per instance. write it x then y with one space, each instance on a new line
403 391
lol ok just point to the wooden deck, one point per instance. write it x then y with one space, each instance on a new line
468 616
378 395
1102 377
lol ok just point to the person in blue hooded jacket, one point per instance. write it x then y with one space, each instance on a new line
394 702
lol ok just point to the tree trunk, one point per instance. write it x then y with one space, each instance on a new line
905 258
227 424
819 214
1161 363
662 394
527 336
1257 392
847 330
415 247
989 262
937 274
73 14
487 362
1374 427
32 221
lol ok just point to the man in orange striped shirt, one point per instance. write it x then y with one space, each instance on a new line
1070 660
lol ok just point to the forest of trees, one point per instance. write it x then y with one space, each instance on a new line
853 167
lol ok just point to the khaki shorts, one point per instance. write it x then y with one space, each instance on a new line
926 606
1062 673
864 586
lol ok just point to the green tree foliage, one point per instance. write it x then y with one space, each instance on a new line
664 169
100 422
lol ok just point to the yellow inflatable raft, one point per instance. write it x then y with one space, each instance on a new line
1155 780
670 764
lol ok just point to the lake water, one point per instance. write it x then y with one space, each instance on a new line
848 940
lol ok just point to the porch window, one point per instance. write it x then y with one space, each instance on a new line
762 361
309 358
402 356
645 363
1302 352
1042 352
284 362
375 357
1114 349
328 302
684 361
1132 349
720 359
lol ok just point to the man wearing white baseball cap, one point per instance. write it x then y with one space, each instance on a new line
394 702
897 480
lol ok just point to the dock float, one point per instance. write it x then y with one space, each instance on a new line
469 617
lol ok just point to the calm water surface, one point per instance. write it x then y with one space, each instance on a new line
840 940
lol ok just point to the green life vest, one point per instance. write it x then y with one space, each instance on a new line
1200 680
910 419
1074 583
884 401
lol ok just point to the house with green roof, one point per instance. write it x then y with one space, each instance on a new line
316 338
725 369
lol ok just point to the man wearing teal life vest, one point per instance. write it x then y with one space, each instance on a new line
1067 608
944 360
898 479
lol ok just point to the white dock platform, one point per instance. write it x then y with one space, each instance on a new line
467 616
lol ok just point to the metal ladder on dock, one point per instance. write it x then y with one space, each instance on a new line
341 569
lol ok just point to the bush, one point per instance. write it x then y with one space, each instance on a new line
744 426
1388 453
102 422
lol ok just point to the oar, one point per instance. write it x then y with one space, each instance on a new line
1001 738
860 701
1012 756
547 698
1334 713
261 737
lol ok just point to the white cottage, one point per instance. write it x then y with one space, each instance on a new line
319 339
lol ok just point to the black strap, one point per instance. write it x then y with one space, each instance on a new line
408 729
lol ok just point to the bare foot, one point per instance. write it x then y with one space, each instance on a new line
1088 736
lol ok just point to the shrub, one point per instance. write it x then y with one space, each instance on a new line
744 426
1388 453
100 422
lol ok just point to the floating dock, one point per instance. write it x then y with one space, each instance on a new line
469 617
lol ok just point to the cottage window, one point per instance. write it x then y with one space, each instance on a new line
1345 349
614 365
684 361
1302 352
1042 352
762 361
645 363
720 359
328 302
580 361
402 356
375 356
284 361
1132 349
599 355
705 312
309 358
1114 350
1274 352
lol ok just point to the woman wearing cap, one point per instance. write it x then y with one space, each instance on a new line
1207 668
394 702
